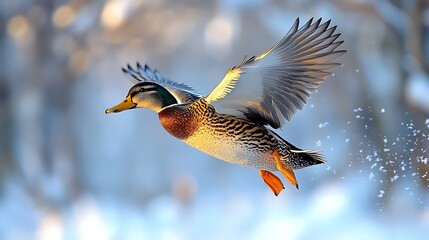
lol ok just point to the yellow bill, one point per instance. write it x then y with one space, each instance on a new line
124 105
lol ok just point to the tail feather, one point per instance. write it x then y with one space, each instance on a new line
305 158
298 158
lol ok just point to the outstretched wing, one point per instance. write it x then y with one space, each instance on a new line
183 93
269 89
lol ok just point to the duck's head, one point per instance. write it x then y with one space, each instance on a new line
145 95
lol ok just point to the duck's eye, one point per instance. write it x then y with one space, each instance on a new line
141 90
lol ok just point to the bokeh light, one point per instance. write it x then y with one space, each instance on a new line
113 14
18 28
63 16
218 34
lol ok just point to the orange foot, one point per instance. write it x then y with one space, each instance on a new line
286 170
272 181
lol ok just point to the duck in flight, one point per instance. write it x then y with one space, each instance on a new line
235 121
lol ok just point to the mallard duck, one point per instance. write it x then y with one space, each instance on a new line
234 121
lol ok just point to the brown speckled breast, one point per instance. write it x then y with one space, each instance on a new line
179 121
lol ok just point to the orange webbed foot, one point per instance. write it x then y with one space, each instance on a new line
272 181
286 170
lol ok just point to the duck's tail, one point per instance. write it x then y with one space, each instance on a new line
297 158
303 158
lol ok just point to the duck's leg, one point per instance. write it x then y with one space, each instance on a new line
286 170
272 181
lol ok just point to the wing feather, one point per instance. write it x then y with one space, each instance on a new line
183 93
226 86
270 88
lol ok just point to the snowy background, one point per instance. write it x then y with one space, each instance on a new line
68 171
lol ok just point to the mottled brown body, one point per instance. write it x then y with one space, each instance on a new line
229 138
232 139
